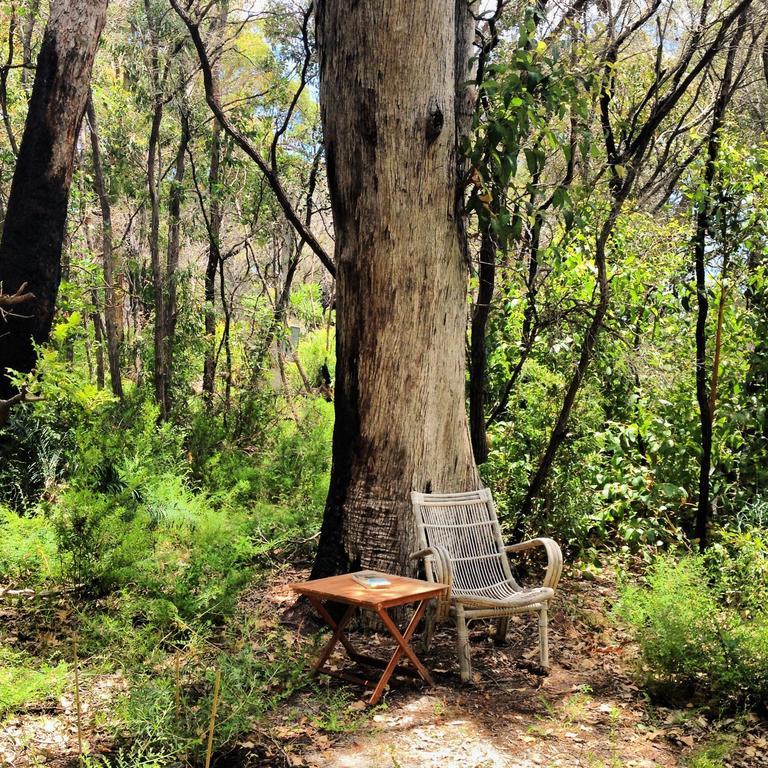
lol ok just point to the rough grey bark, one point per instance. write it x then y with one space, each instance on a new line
33 234
393 101
28 31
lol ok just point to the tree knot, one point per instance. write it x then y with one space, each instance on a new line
435 123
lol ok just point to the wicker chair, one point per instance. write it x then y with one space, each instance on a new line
461 545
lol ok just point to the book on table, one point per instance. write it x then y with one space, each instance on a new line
371 579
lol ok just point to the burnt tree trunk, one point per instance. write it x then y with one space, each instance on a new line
704 213
33 234
215 218
393 104
478 349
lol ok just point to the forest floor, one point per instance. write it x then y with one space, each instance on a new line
586 713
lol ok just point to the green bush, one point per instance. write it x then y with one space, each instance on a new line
737 562
258 671
285 466
35 452
568 506
172 546
692 642
28 554
23 681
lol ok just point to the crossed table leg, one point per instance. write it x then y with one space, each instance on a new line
402 640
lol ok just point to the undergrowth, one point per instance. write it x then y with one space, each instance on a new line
701 625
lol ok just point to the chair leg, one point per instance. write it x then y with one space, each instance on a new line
544 638
501 630
429 628
462 645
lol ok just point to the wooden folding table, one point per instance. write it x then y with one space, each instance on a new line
344 589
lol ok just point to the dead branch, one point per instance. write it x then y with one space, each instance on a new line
12 299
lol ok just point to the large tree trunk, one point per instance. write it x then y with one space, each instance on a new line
393 101
33 234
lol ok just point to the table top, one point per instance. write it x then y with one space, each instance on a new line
344 589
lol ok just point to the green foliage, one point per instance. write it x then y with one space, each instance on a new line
282 465
24 682
170 547
568 511
34 453
318 349
307 304
692 640
712 755
738 562
28 553
258 671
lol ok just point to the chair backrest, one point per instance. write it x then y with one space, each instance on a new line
465 525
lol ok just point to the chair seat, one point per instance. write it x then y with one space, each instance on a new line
503 595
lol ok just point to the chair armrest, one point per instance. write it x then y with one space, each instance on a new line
438 569
554 558
437 558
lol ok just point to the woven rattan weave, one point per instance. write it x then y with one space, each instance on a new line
462 546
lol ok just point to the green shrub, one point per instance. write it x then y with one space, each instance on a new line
738 564
676 621
691 641
261 669
28 554
24 681
316 349
284 467
34 455
172 546
567 507
307 304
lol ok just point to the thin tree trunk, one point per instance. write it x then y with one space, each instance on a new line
703 222
225 339
215 220
98 335
98 325
393 104
715 380
153 185
111 308
26 40
33 234
284 296
560 430
478 352
172 257
529 329
4 71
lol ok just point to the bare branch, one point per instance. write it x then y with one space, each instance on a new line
244 144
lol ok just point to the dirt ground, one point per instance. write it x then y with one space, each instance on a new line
586 713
